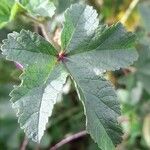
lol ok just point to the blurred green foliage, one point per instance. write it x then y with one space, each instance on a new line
133 84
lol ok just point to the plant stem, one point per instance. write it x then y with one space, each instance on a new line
129 11
44 29
35 20
24 144
48 37
69 139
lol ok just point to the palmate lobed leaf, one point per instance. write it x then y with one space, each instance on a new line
42 80
88 49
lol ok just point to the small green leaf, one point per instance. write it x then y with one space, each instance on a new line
5 11
101 49
142 65
39 8
144 9
8 11
16 9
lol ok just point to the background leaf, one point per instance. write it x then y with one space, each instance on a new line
5 11
144 8
39 8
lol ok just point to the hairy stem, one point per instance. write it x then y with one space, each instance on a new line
129 11
44 28
69 139
24 144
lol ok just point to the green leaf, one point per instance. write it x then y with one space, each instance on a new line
6 110
42 80
61 6
78 26
39 8
8 11
142 65
8 69
25 46
92 49
5 11
88 50
144 9
35 100
141 74
101 106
